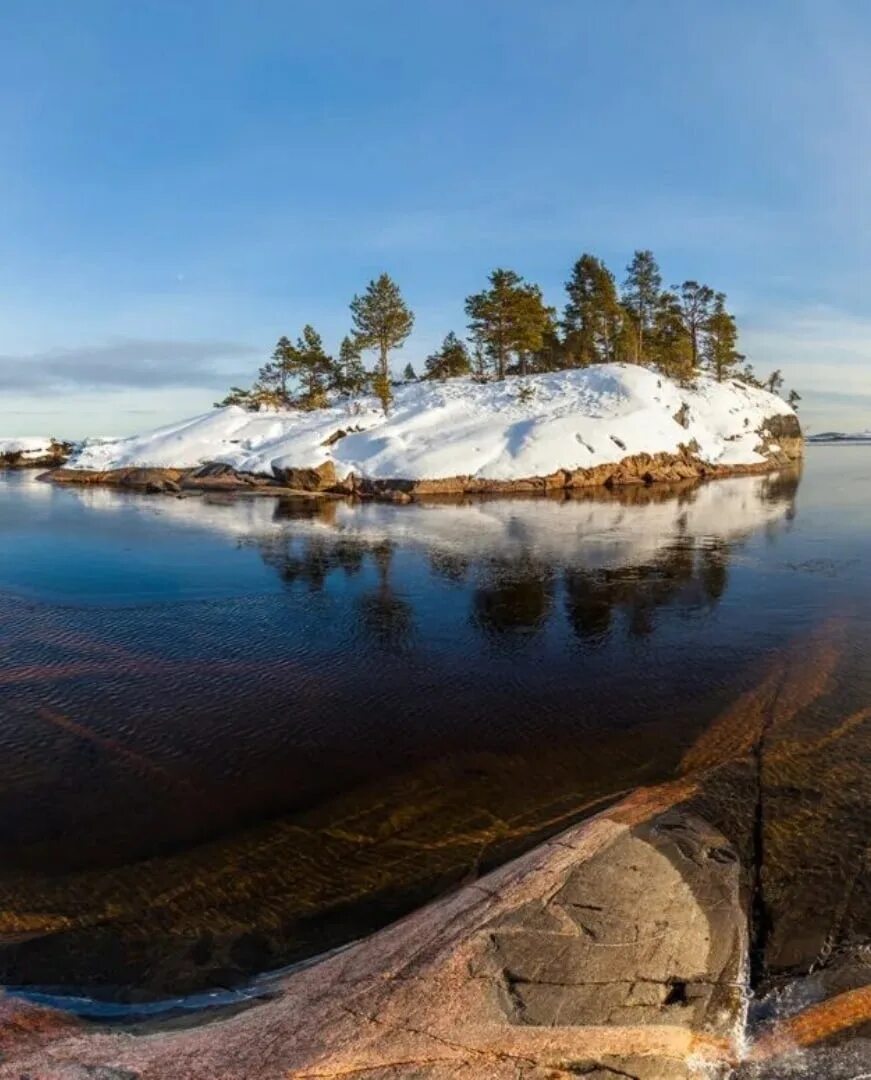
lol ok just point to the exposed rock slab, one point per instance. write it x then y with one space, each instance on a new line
618 947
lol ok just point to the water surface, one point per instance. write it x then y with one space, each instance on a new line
236 733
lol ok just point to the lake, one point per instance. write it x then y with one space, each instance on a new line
237 733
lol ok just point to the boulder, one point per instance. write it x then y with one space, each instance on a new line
320 478
617 948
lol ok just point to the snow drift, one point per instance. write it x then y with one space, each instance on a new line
519 428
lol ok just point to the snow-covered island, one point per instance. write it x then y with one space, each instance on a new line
606 424
32 451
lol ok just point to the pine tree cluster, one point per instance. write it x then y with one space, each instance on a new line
680 331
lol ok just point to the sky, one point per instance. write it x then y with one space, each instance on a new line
184 183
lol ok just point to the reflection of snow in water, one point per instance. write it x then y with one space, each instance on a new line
600 530
28 479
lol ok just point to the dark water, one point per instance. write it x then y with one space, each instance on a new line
235 734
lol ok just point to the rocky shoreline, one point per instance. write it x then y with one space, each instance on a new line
781 445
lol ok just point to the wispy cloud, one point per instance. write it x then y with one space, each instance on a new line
819 349
126 364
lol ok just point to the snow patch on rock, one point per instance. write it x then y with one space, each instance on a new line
29 446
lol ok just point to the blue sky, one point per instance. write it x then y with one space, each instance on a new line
182 183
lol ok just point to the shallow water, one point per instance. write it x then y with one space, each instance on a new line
236 733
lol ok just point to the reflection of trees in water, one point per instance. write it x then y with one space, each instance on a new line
449 565
688 575
516 595
386 616
310 559
515 592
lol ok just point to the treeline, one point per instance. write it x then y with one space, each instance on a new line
681 331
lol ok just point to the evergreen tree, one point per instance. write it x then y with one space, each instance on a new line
592 317
748 375
534 320
449 360
312 368
552 355
383 390
509 318
641 291
273 379
668 345
774 382
721 335
793 398
236 396
695 307
348 375
409 374
382 321
479 364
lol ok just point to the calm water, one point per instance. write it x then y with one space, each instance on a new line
237 733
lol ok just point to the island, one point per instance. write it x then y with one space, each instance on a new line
33 452
603 425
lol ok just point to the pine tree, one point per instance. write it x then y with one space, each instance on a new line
236 396
792 399
383 390
641 291
533 321
721 335
382 321
748 375
312 367
349 376
591 319
774 382
449 360
552 356
668 345
509 318
479 364
695 307
409 374
273 380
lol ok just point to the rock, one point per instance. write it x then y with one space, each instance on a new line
781 440
337 436
616 948
153 481
213 470
218 476
321 478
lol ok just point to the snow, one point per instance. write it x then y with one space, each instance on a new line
499 431
26 445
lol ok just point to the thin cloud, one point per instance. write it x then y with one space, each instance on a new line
127 364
